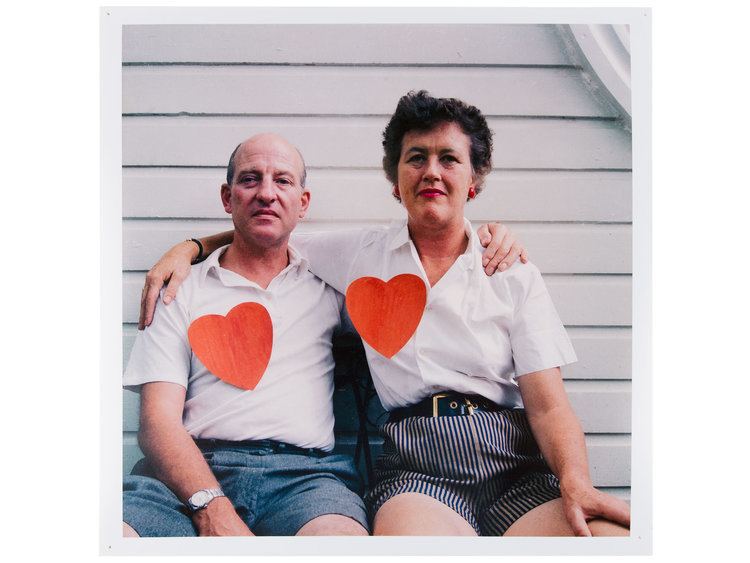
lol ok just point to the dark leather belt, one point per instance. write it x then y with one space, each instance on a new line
269 445
445 404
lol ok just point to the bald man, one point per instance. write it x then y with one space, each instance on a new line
236 379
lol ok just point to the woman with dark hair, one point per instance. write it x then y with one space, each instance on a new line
481 438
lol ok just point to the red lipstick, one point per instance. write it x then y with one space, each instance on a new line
430 192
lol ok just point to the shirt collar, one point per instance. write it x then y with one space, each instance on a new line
400 236
468 256
211 263
297 262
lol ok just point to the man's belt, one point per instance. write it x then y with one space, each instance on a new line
445 404
270 445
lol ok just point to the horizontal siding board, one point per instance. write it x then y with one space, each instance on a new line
609 460
355 142
364 195
580 249
567 248
506 91
609 456
601 406
344 44
580 300
603 353
592 300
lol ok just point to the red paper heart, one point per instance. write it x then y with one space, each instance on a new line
386 314
235 348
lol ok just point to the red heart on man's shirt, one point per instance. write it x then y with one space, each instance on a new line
235 348
386 314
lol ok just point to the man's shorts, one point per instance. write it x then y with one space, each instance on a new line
487 467
275 493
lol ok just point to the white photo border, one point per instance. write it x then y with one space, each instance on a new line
111 540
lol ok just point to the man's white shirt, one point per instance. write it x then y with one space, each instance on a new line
292 402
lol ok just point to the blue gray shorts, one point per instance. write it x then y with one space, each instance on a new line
274 492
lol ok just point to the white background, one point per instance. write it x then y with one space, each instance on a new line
50 210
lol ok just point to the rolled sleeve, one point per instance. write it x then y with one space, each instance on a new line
538 338
161 352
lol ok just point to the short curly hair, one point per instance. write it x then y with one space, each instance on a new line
418 111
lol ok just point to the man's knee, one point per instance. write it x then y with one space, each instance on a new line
332 525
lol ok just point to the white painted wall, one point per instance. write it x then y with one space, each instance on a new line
562 177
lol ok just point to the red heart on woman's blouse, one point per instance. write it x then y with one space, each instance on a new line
386 314
235 348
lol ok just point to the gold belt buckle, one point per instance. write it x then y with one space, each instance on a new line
435 398
470 406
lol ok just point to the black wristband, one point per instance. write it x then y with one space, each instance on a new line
200 250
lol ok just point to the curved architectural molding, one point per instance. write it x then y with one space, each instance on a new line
605 53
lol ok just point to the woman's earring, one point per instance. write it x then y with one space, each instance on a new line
472 193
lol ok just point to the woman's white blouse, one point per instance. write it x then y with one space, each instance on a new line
477 333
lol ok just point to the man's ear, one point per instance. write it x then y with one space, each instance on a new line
305 201
226 197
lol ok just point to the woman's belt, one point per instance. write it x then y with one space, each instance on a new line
445 404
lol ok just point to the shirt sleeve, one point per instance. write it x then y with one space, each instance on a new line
330 253
538 337
161 351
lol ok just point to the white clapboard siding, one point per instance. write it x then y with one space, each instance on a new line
554 248
609 459
591 300
347 91
580 300
345 44
601 406
603 353
362 195
355 142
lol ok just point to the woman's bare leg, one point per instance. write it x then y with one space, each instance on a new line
548 519
415 514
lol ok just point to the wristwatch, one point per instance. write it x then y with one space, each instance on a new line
201 499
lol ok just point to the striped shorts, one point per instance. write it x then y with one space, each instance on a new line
487 467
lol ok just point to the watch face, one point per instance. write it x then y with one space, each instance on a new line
200 498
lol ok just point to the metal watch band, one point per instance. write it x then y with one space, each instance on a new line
200 499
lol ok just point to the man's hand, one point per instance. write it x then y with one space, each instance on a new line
582 504
220 518
502 248
173 267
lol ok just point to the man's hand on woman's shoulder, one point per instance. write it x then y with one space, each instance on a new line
502 248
